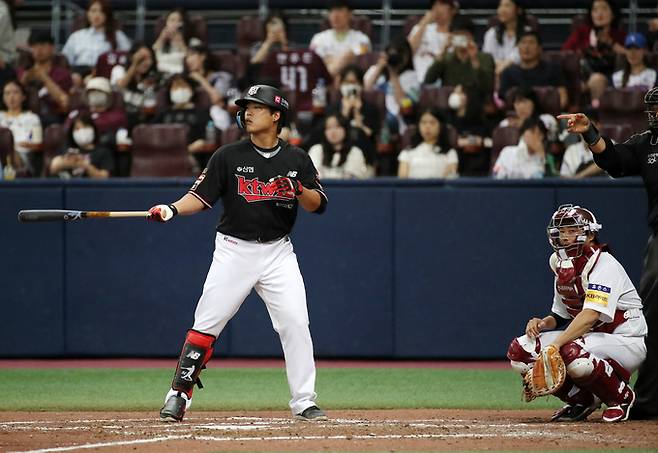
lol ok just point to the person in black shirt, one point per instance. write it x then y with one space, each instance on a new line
636 156
261 181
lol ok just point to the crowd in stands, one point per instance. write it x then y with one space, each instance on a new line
434 103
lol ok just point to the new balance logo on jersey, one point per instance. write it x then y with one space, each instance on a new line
254 190
291 174
193 355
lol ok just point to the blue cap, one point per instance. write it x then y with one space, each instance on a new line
635 40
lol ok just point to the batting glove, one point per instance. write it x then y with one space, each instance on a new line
162 213
291 187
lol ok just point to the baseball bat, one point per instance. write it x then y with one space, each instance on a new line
54 215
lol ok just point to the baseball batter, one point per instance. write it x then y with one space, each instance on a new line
596 322
261 181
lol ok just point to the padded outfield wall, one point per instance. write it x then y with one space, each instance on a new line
394 269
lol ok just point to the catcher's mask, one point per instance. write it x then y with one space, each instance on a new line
651 101
570 216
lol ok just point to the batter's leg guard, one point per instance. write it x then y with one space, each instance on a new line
197 350
600 377
522 353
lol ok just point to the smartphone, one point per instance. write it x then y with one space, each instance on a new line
459 41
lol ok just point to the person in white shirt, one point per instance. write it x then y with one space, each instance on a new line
336 157
84 46
7 32
338 45
501 41
635 72
429 38
578 161
25 126
431 155
527 160
171 45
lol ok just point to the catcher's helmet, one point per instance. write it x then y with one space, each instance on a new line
567 216
651 100
263 94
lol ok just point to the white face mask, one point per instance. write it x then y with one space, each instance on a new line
455 101
350 89
97 99
83 136
180 95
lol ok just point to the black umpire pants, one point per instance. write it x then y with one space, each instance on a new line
646 387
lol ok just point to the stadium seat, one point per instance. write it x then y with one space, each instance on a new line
377 98
232 134
198 26
619 133
409 23
160 150
54 142
624 106
502 137
361 23
248 31
434 96
6 144
570 63
227 60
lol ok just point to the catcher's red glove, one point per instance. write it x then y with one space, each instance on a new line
290 187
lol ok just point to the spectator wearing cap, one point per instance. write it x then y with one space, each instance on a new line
430 37
501 41
338 45
51 81
84 46
635 72
532 71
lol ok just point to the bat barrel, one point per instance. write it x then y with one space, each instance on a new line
48 215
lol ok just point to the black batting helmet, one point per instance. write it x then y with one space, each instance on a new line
651 100
266 95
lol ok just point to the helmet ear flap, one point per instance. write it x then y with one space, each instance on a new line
240 120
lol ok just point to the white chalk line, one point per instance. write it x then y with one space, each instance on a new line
107 444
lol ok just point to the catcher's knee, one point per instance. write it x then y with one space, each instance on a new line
522 353
580 363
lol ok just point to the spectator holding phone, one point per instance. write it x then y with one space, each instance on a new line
171 45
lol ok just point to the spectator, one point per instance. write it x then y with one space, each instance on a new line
85 156
578 161
501 41
532 71
182 110
339 45
138 83
527 160
526 105
275 30
7 31
25 126
430 155
84 46
215 83
51 81
598 41
335 157
635 72
394 75
171 45
430 38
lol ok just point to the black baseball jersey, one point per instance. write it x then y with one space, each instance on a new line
254 210
636 156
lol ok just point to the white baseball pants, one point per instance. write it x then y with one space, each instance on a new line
272 269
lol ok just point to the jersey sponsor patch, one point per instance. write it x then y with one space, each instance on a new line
597 294
254 190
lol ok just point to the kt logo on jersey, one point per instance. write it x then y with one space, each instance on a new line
254 190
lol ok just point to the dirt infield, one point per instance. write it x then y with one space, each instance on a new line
353 430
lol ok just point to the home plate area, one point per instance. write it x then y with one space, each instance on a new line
349 430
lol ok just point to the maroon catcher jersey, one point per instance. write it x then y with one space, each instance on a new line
298 70
253 208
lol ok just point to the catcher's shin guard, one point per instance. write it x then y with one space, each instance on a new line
196 352
570 393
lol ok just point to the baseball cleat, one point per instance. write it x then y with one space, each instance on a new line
575 412
174 409
620 412
312 414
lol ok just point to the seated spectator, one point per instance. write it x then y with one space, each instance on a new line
527 160
7 32
578 161
171 45
466 115
430 155
430 38
532 71
598 41
635 72
85 156
52 82
182 110
465 65
335 157
501 41
215 83
394 75
339 45
25 126
526 105
138 84
276 38
83 47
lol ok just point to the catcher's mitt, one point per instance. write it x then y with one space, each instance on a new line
546 376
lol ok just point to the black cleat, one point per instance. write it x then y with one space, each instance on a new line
312 414
174 409
575 412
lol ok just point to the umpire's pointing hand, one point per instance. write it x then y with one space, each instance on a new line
577 123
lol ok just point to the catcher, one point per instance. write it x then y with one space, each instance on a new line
586 349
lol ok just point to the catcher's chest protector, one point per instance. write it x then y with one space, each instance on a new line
572 276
